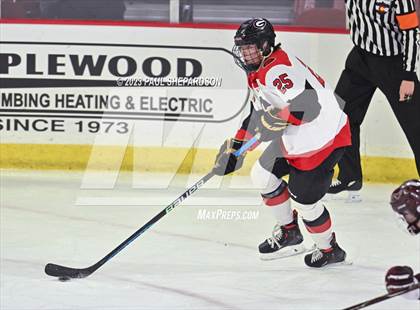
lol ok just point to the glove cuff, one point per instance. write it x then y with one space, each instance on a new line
235 144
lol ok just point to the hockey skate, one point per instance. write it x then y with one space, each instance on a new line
321 258
286 240
352 188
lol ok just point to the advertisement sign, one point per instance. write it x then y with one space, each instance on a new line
55 91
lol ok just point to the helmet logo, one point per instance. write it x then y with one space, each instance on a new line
260 23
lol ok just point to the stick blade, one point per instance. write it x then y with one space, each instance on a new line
66 272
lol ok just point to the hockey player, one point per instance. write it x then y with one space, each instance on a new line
296 110
405 201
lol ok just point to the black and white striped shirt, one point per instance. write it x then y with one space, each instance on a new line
386 28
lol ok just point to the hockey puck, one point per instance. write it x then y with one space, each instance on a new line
63 279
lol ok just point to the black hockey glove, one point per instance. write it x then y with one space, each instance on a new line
399 277
270 126
226 162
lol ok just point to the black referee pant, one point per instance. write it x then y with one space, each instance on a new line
363 74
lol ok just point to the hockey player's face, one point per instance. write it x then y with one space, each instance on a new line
409 222
251 54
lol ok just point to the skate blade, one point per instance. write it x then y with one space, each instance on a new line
353 196
284 252
332 197
346 262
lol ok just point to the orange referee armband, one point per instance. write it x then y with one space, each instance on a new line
408 21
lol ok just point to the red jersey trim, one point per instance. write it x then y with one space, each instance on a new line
279 57
243 134
288 117
313 159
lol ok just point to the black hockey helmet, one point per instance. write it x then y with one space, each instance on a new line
405 201
258 31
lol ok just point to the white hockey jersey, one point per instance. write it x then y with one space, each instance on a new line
317 125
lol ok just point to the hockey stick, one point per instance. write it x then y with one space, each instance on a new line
384 297
65 273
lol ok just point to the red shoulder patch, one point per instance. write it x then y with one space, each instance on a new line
252 80
268 61
278 57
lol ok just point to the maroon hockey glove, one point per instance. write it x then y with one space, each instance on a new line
226 162
399 277
270 125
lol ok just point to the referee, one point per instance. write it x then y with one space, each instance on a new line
385 56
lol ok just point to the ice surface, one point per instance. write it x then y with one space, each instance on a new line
182 262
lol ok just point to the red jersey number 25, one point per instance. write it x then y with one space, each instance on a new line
283 83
